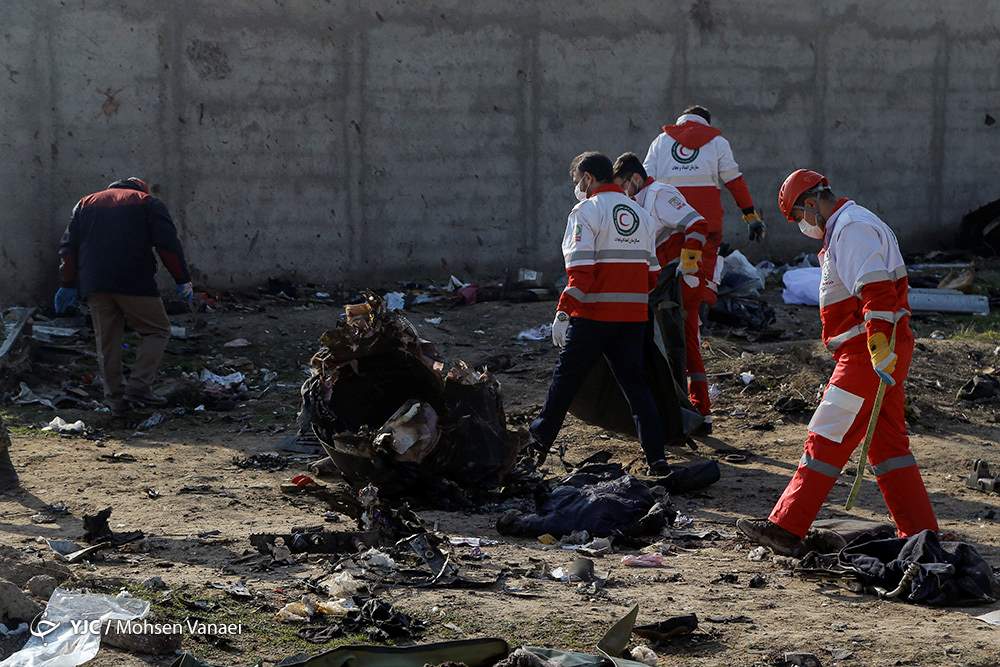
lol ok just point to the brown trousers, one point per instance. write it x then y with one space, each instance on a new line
146 315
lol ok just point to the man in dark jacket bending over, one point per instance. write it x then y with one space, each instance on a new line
107 258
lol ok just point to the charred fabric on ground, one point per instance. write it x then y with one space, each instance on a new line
387 413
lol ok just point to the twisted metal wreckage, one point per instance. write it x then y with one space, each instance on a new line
388 414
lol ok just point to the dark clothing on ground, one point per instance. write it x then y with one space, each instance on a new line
950 573
108 245
621 344
601 509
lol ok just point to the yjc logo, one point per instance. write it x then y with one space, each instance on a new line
42 628
626 220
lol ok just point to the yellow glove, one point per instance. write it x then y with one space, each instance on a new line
883 359
690 259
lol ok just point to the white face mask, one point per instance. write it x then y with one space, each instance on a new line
812 231
581 194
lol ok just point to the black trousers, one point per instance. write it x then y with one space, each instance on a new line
621 343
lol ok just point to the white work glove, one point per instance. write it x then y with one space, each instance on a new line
559 328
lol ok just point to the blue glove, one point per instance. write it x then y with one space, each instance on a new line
66 298
186 292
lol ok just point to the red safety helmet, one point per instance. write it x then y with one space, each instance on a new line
798 182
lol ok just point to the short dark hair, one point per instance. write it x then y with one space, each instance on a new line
628 164
596 164
699 110
819 192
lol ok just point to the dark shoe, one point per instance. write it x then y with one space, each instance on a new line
8 476
118 406
658 469
703 430
771 535
144 397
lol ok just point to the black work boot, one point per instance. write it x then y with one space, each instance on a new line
771 535
658 469
8 476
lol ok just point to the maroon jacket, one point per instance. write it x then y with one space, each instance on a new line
108 245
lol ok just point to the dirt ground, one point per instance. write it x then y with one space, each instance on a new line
786 614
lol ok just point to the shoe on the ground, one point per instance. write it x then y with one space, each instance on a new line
118 406
658 469
771 535
8 476
144 397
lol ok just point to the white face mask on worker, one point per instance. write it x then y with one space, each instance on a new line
579 193
812 231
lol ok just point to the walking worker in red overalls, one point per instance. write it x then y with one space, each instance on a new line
866 326
694 157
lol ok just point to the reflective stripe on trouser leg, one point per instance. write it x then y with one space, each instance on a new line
896 469
836 429
802 498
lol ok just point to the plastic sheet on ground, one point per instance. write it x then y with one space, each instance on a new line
801 286
61 645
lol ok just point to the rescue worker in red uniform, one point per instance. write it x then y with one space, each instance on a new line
610 255
863 302
694 157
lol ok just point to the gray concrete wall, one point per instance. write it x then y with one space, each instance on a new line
344 141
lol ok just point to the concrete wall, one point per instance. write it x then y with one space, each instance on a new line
345 141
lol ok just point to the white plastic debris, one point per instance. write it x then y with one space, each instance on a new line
747 377
434 320
541 332
644 654
238 342
322 295
56 642
268 376
757 554
342 585
714 392
394 300
233 379
60 425
375 558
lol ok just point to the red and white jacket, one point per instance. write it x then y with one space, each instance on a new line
673 216
864 285
694 157
610 254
